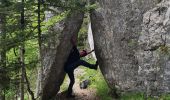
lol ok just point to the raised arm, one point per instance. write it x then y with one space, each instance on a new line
90 52
84 53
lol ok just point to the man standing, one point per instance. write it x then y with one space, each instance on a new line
74 61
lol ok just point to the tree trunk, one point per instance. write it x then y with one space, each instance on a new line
54 64
1 59
39 82
22 51
2 56
40 70
22 71
116 26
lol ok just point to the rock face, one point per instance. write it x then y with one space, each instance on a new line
154 55
48 51
131 43
54 60
116 27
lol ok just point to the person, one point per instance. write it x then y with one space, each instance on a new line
73 62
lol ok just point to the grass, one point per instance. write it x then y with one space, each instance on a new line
64 86
97 82
140 96
165 97
102 89
132 96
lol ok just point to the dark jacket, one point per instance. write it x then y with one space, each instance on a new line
73 56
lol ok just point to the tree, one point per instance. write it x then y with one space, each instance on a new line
40 70
22 51
2 55
3 72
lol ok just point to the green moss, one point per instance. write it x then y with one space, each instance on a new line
140 96
103 89
165 97
164 49
132 42
132 96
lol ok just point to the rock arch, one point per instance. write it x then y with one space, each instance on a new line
117 29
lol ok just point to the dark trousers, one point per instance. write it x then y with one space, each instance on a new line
69 69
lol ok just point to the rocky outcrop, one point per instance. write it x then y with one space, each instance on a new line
54 60
116 27
132 49
154 52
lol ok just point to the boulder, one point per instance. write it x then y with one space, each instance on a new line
116 27
154 55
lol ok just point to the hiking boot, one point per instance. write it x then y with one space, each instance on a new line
96 65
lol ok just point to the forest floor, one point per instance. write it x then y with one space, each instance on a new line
80 94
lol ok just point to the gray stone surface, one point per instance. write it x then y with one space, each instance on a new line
116 27
54 59
154 55
132 44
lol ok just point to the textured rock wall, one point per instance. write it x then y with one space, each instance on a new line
132 50
154 55
48 47
116 27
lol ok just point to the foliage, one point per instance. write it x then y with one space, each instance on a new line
165 97
52 21
65 84
82 35
12 36
141 96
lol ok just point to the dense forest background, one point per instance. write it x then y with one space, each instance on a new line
23 34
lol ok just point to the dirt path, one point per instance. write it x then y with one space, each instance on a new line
80 94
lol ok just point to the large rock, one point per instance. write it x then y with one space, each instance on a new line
54 60
48 46
154 55
116 27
